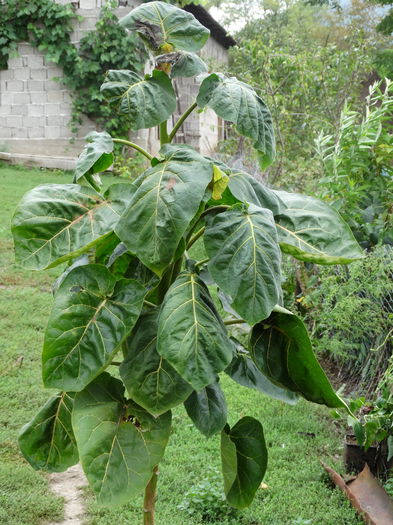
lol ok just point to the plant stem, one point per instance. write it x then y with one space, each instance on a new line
135 146
181 120
203 261
234 321
150 499
195 237
221 207
164 139
148 303
116 363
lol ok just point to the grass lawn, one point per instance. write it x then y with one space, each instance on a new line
296 491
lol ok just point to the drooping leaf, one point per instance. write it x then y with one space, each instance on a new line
119 442
166 201
191 335
245 259
161 24
247 189
244 371
48 441
150 381
91 316
220 182
281 348
237 102
148 101
310 230
57 222
207 409
96 156
244 461
188 65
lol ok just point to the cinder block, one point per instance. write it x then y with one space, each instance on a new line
54 71
5 133
87 4
22 73
38 98
36 110
52 85
32 122
19 133
14 85
52 109
55 96
21 98
35 85
67 96
65 108
35 61
19 109
26 49
7 74
55 120
65 132
4 111
52 132
15 62
36 133
14 121
6 99
39 73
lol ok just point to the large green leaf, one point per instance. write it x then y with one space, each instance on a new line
184 64
245 259
281 348
160 23
47 441
57 222
119 443
148 101
150 380
207 409
96 156
247 189
310 230
191 335
166 201
237 102
91 316
244 371
244 461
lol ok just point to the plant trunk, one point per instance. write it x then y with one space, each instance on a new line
150 499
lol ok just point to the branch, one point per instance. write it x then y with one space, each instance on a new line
235 321
221 207
135 146
195 237
181 120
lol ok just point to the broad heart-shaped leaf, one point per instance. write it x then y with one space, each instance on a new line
188 65
119 443
191 335
247 189
91 316
310 230
237 102
281 348
244 371
245 259
150 380
167 198
160 23
96 156
207 409
57 222
244 461
48 441
148 101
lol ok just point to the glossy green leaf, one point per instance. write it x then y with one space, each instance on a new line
244 461
247 189
310 230
281 348
167 198
91 316
187 65
119 443
244 371
161 24
207 409
245 259
148 101
96 156
47 441
150 381
57 222
237 102
191 335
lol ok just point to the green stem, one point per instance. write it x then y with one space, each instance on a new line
203 261
148 303
181 120
150 499
116 363
235 321
195 237
164 139
135 146
221 207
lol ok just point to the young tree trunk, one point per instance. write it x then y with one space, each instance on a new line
150 499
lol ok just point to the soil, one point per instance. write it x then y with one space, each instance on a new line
69 485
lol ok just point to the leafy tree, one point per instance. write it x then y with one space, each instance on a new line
131 287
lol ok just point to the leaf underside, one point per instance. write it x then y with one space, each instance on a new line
96 156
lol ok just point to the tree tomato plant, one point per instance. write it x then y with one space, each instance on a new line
131 289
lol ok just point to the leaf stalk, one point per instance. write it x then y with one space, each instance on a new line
181 120
150 499
135 146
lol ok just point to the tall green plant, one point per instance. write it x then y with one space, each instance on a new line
131 288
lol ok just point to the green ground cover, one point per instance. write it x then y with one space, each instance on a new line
296 492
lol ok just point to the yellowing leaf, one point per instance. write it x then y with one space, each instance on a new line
220 182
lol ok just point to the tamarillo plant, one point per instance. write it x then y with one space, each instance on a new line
131 288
